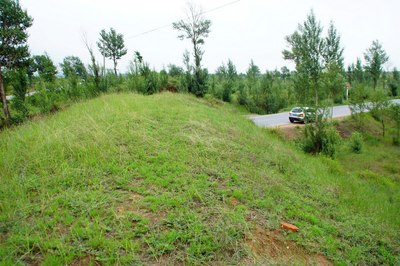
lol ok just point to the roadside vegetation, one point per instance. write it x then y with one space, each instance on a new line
320 82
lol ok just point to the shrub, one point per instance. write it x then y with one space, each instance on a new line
321 137
356 142
20 87
45 98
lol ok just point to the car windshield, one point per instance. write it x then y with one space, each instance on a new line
297 110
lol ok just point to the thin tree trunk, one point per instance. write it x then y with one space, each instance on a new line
115 67
104 66
4 101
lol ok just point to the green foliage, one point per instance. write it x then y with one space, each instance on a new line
253 72
20 87
242 96
334 81
14 23
394 112
195 28
174 70
72 67
227 91
394 82
321 136
46 97
111 45
44 66
198 85
358 102
333 53
307 50
379 108
356 142
375 57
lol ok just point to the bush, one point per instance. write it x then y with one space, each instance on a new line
46 97
321 137
356 142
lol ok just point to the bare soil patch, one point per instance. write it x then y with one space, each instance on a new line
271 247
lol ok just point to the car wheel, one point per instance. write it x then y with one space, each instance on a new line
291 120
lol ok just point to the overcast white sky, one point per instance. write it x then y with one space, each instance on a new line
248 29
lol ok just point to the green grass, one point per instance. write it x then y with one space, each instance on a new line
171 179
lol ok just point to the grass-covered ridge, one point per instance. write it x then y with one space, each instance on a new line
173 179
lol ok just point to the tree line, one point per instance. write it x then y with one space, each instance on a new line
320 76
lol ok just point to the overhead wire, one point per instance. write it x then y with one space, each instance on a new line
170 24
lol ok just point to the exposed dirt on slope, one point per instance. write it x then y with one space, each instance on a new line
270 247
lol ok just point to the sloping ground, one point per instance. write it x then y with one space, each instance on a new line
171 179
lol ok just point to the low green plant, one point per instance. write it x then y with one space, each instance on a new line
321 135
356 142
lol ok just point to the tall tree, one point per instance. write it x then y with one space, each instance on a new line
307 49
72 66
111 46
334 75
333 51
14 53
253 72
195 27
375 58
359 75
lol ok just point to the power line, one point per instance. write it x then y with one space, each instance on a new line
170 24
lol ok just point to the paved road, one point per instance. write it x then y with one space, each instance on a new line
280 119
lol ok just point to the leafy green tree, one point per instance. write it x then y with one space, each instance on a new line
195 28
14 22
231 70
379 108
333 76
285 72
253 72
111 46
359 74
333 51
375 58
174 70
307 50
394 84
221 71
350 73
45 67
358 103
334 81
73 67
